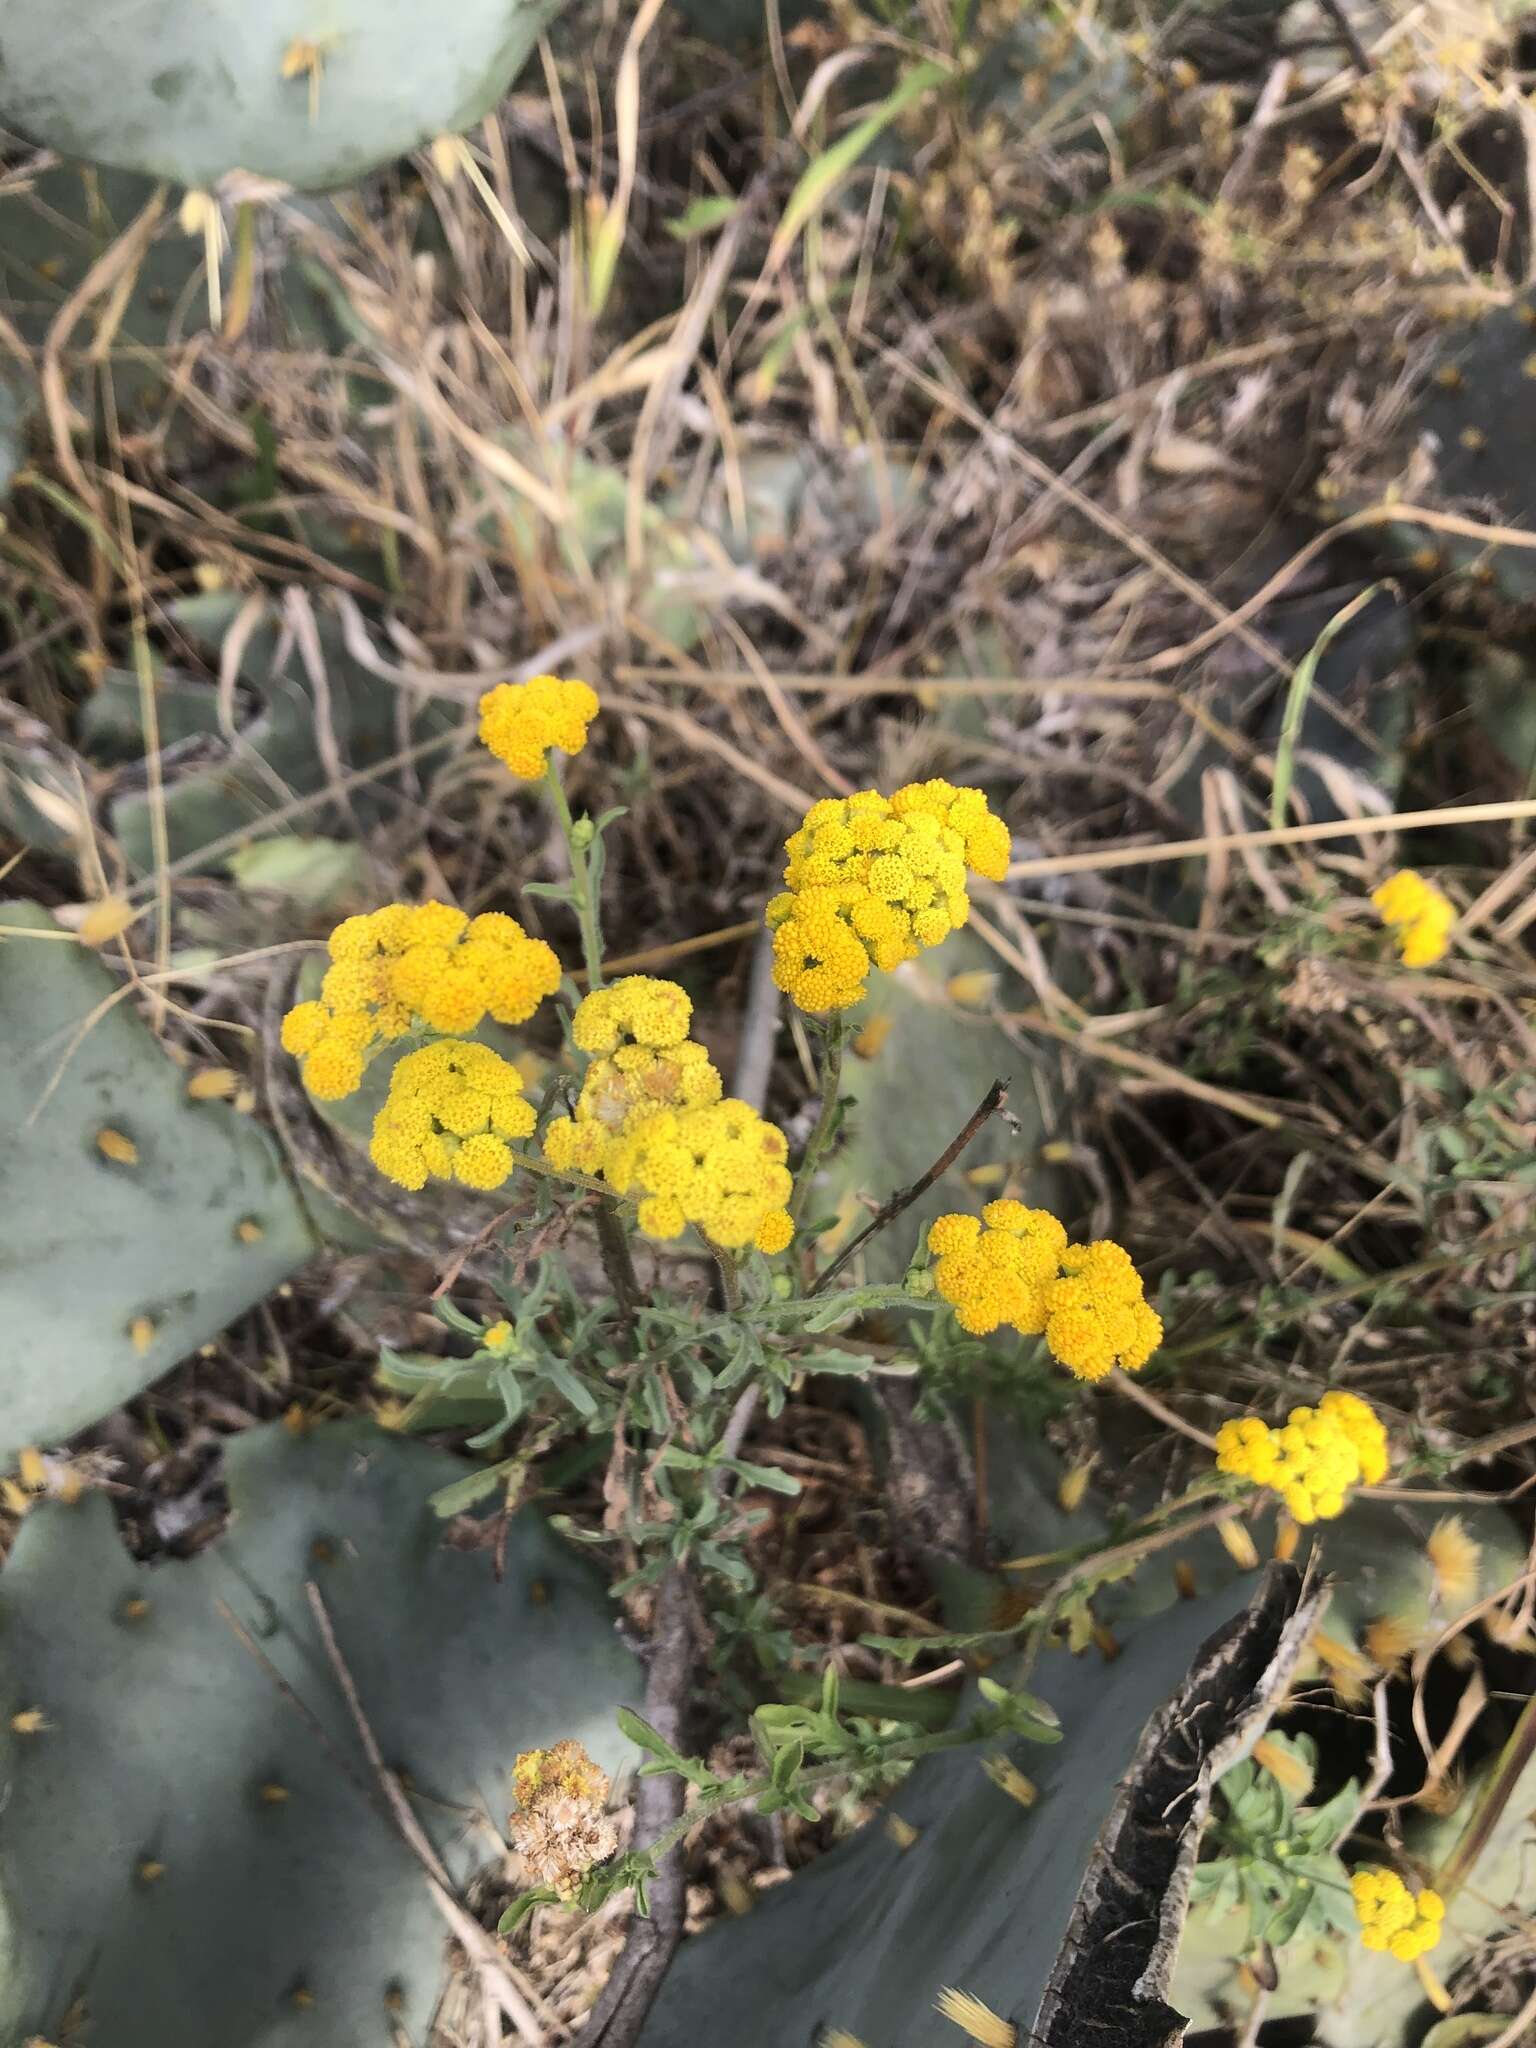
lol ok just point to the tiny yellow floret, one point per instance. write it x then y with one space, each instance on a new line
1420 916
452 1107
1314 1460
1393 1920
520 722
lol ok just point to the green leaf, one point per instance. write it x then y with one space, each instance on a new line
564 1380
644 1736
314 873
1296 702
712 211
523 1905
463 1493
825 173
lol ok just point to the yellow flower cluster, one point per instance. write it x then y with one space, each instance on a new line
1314 1460
1420 916
872 881
1014 1265
650 1119
720 1167
400 968
520 722
452 1107
1392 1919
644 1061
562 1831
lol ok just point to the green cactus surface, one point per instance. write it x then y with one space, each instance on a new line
928 1062
182 1853
313 92
975 1891
275 754
112 1268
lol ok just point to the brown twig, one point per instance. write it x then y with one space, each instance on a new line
628 1995
994 1099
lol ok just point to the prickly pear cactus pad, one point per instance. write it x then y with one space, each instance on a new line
137 1223
314 92
181 1852
974 1890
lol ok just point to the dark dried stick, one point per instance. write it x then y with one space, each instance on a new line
628 1995
903 1198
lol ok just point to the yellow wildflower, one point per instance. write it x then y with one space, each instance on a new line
451 1109
520 722
1096 1315
1420 916
562 1830
1392 1919
400 968
1314 1460
1014 1265
645 1062
871 881
719 1167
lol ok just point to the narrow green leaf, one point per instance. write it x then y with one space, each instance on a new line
1296 702
826 172
713 211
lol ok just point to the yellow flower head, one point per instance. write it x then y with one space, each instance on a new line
1419 915
1014 1266
720 1167
1314 1460
1097 1316
638 1008
402 968
871 881
452 1109
644 1062
520 722
1392 1919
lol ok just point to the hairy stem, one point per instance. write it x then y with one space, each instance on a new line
587 907
613 1244
835 1037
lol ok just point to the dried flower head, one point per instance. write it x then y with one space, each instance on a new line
562 1830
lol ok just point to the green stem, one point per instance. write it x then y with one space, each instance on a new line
730 1279
819 1774
835 1037
613 1243
587 907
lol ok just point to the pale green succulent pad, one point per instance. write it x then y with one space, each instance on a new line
191 89
181 1851
161 1250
